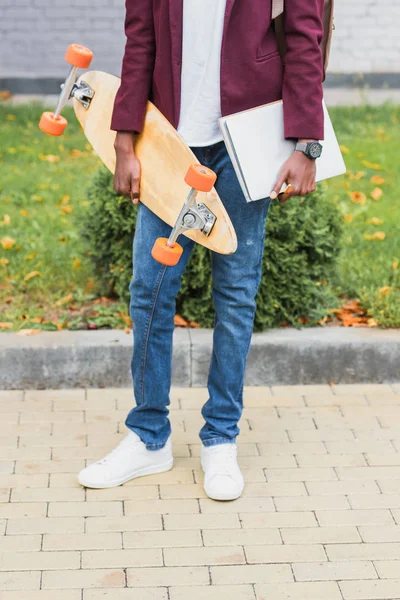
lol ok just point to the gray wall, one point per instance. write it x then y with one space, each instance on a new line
35 33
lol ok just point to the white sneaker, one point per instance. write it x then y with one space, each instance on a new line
128 460
223 479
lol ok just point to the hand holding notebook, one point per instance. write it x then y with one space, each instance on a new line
257 147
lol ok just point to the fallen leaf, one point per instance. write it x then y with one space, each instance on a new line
30 256
344 149
385 291
377 180
375 221
180 321
355 176
65 300
31 275
65 199
372 323
7 243
76 264
5 325
378 235
358 198
4 261
5 95
37 198
23 213
395 265
49 157
127 330
28 332
126 318
370 165
376 194
348 218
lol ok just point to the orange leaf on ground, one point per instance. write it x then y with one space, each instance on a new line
64 300
377 180
384 291
31 275
23 213
372 323
7 243
375 221
348 218
28 332
370 165
344 149
126 318
180 321
352 314
5 325
37 320
49 157
358 198
378 235
5 95
395 265
376 194
4 261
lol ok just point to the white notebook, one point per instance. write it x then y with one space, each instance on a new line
256 145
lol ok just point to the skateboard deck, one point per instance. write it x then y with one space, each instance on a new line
164 159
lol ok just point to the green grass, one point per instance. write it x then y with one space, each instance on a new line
46 277
41 204
369 265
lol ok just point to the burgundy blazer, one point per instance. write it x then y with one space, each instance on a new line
251 68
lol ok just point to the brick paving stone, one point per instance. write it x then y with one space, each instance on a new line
326 590
334 571
125 594
233 592
383 589
319 516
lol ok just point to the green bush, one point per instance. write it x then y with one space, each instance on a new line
301 248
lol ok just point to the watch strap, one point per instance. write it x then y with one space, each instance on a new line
302 146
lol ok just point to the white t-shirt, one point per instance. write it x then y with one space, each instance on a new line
203 22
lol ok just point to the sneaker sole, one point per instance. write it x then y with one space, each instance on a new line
167 466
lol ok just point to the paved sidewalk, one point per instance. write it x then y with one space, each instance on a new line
319 518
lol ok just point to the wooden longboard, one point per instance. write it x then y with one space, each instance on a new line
164 159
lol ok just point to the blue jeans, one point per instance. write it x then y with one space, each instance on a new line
154 288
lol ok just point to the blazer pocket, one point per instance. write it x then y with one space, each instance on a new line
267 57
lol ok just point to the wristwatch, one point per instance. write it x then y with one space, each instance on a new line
311 149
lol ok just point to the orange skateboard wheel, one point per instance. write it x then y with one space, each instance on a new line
78 56
166 255
200 178
51 124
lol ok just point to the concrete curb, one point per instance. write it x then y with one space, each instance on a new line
71 359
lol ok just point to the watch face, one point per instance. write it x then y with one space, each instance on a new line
315 150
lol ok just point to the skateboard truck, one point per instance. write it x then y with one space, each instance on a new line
192 216
78 57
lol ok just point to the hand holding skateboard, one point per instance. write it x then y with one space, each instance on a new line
163 156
